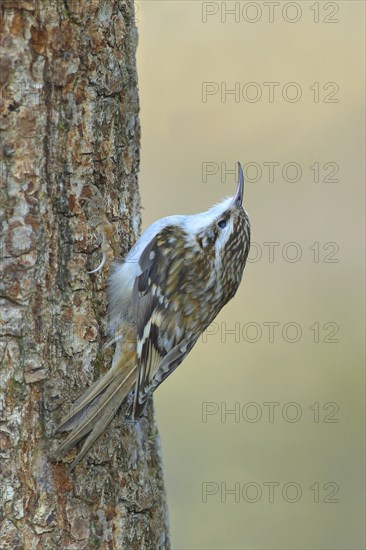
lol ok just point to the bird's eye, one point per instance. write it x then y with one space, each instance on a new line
222 223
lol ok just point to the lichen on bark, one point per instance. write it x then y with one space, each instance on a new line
70 140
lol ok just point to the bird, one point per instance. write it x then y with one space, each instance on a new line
172 284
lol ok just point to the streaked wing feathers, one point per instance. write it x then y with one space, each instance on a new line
158 324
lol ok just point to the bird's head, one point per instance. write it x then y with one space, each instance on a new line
223 232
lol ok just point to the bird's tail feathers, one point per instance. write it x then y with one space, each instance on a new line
94 410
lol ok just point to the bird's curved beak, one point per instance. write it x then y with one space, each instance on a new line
239 193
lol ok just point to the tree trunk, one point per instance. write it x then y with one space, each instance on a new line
70 155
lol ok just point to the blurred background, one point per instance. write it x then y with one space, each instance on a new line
262 426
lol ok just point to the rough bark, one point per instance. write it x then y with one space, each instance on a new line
70 155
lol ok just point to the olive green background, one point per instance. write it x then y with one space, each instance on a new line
313 375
